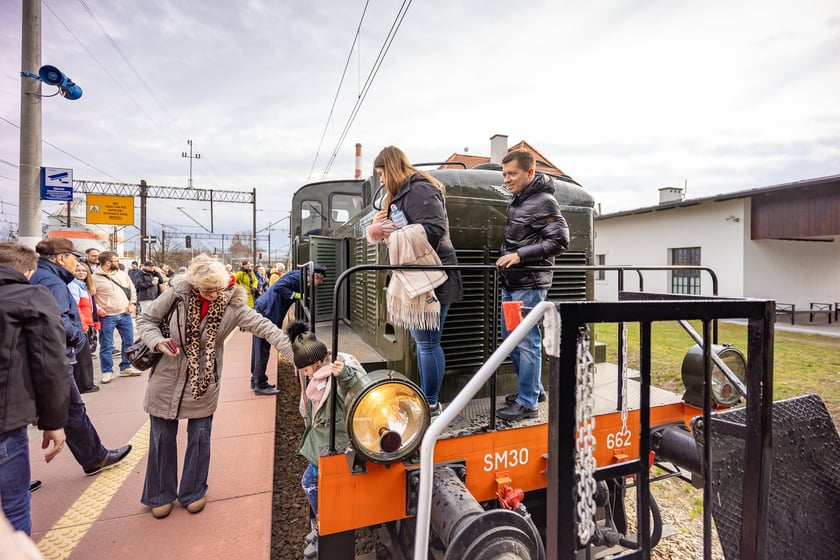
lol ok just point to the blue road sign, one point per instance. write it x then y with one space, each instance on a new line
56 184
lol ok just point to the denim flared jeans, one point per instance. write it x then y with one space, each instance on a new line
161 484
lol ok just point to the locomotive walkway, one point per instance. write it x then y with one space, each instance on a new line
101 517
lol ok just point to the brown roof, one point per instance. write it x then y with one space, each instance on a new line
542 162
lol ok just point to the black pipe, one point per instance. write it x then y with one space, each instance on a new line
469 532
676 445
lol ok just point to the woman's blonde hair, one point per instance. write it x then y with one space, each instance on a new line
91 287
398 169
206 273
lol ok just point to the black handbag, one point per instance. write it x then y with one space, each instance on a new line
93 339
140 355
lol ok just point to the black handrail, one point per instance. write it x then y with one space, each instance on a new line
496 270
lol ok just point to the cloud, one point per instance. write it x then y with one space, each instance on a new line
626 97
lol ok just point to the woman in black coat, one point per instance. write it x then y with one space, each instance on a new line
420 197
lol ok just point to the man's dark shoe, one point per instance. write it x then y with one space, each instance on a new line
269 390
93 389
269 385
516 412
113 457
34 485
510 399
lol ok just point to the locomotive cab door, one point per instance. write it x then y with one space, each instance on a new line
332 253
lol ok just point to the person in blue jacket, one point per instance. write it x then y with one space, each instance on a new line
274 304
57 262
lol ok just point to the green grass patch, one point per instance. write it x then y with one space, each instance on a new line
802 363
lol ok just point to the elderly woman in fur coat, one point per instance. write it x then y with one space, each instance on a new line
207 306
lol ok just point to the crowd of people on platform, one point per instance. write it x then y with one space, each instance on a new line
56 296
186 317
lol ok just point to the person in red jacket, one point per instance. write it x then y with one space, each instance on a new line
82 290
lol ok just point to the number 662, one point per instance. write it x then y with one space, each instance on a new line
618 439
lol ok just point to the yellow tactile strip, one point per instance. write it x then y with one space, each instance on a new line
60 541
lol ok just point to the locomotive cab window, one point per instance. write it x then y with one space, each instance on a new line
311 217
343 207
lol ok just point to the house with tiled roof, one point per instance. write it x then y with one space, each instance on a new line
498 149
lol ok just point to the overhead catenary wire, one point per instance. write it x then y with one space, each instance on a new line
125 58
51 145
107 73
395 26
338 91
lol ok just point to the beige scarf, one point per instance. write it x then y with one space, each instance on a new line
411 296
199 381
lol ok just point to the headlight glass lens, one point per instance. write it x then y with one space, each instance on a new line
723 392
387 419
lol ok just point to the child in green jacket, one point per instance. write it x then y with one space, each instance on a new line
315 369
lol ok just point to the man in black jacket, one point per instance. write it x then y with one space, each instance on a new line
32 376
535 233
149 283
55 269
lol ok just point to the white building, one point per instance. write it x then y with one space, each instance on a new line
780 242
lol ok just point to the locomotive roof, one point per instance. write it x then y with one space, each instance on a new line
465 182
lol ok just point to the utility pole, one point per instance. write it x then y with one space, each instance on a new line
254 224
30 126
192 157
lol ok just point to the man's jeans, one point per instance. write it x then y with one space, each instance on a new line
161 484
123 324
527 356
14 478
430 358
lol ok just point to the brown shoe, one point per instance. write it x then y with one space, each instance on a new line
197 505
162 511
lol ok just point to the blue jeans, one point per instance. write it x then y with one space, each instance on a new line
527 356
161 484
309 483
82 438
430 358
14 478
123 324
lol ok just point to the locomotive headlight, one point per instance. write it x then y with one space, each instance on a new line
724 393
387 416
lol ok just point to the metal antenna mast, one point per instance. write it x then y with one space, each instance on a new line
192 157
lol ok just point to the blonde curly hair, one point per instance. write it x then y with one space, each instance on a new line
206 273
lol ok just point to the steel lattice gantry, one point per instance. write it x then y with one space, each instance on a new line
145 191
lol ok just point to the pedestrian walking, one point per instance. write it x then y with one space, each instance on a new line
56 264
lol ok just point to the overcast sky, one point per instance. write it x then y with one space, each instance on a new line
625 96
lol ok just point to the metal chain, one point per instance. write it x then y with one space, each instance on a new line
625 436
585 444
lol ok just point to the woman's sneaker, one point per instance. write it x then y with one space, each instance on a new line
435 409
311 550
312 535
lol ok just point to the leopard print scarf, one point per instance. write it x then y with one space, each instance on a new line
200 380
